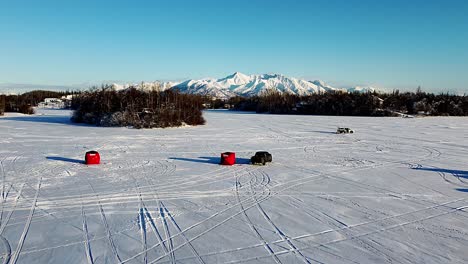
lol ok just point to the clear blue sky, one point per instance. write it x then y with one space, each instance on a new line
392 44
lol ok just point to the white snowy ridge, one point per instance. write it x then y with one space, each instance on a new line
245 85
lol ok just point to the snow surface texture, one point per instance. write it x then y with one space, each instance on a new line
395 191
245 85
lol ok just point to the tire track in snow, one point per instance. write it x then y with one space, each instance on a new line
142 222
89 255
329 175
106 225
108 232
204 232
141 216
327 231
73 199
7 219
4 193
169 242
194 251
7 254
40 172
150 218
27 225
252 227
145 215
461 208
163 210
2 170
442 174
322 232
336 224
296 183
264 183
351 226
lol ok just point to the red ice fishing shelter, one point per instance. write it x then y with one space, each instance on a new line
228 158
92 157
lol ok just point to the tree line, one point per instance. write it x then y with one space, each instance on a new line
2 104
24 103
106 106
355 104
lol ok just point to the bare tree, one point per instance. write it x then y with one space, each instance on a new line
2 104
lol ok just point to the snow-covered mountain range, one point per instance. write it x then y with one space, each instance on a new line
156 85
249 85
232 85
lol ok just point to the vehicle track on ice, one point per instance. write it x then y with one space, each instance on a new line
443 175
7 219
108 232
165 214
145 215
300 181
251 225
296 238
17 252
89 255
2 170
194 251
169 240
7 254
142 222
340 226
4 192
460 208
141 219
167 244
41 173
264 184
150 218
106 225
277 189
205 231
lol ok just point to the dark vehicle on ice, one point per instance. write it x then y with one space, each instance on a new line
261 157
344 130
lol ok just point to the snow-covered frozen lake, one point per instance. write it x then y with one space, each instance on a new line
394 192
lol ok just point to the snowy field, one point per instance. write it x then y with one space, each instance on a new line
394 192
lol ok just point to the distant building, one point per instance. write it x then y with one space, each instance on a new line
57 103
52 103
67 100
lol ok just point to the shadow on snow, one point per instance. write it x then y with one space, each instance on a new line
211 160
323 132
456 173
230 111
65 120
66 159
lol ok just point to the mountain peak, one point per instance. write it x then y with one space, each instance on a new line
319 83
237 75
